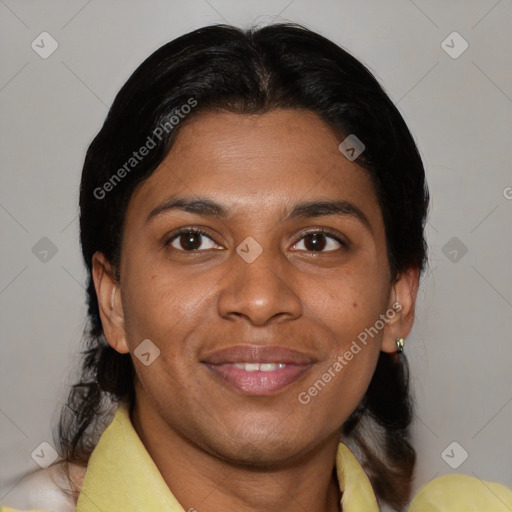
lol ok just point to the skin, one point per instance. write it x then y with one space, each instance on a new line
218 449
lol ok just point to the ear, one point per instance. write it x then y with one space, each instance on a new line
109 302
402 301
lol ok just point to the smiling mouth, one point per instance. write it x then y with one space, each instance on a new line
259 379
258 370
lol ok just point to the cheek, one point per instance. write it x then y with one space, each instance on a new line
337 387
153 305
165 307
348 303
347 309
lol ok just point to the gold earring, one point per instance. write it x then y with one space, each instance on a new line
399 345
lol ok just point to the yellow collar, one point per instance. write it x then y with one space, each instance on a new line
122 476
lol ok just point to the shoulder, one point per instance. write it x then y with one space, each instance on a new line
454 493
45 490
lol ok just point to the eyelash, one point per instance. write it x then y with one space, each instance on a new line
328 233
186 231
323 231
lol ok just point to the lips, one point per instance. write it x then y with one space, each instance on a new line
258 370
257 354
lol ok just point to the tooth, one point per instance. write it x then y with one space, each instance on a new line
263 367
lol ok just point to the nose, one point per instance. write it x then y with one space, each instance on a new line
261 292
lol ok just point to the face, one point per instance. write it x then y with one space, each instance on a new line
253 259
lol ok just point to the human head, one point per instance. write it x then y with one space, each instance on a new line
223 69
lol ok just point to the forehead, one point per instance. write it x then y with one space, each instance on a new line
258 163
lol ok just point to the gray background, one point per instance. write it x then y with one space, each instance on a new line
459 110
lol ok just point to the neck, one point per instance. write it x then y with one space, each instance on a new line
202 482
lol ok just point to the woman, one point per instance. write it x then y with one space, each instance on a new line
252 221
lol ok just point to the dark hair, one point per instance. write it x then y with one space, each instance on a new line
280 66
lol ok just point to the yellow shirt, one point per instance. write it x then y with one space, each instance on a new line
121 476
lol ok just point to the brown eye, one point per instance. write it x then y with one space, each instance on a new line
318 241
191 240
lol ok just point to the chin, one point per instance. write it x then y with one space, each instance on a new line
262 450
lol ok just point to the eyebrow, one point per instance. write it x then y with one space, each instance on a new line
304 210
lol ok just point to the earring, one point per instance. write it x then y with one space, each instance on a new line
399 345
